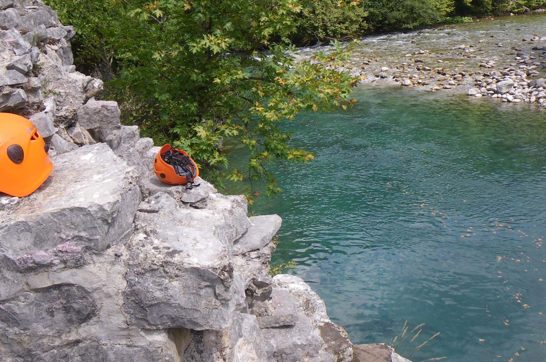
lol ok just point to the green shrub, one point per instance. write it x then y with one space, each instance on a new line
386 15
517 6
495 7
195 72
326 20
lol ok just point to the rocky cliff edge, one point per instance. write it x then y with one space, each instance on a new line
104 263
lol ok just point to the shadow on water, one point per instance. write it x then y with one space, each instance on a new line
426 209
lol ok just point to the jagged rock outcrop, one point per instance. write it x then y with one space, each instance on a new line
89 201
195 246
296 323
104 263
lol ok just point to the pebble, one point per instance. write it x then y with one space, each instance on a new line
7 201
515 83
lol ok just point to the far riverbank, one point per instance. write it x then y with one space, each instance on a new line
502 58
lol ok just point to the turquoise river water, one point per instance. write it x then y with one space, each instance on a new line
423 208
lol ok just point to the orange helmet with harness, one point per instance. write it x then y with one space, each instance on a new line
24 163
175 167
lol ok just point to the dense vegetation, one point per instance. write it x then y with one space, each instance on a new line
389 15
205 73
327 20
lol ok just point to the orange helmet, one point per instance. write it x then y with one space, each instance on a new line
24 163
174 166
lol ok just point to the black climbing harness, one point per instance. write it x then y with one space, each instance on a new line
183 166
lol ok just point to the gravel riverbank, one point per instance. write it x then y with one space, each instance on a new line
503 58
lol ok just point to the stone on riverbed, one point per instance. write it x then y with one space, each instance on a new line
474 92
505 86
538 83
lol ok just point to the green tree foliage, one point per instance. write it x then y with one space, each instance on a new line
93 47
198 72
474 7
327 20
516 6
389 15
496 7
386 15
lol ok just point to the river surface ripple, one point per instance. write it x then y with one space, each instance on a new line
421 208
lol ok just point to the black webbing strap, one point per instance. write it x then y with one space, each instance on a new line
183 166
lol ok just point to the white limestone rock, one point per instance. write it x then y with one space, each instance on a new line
68 89
4 4
11 78
99 114
376 352
314 336
44 123
12 99
75 314
59 145
21 64
262 230
505 86
79 135
241 341
181 273
90 199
